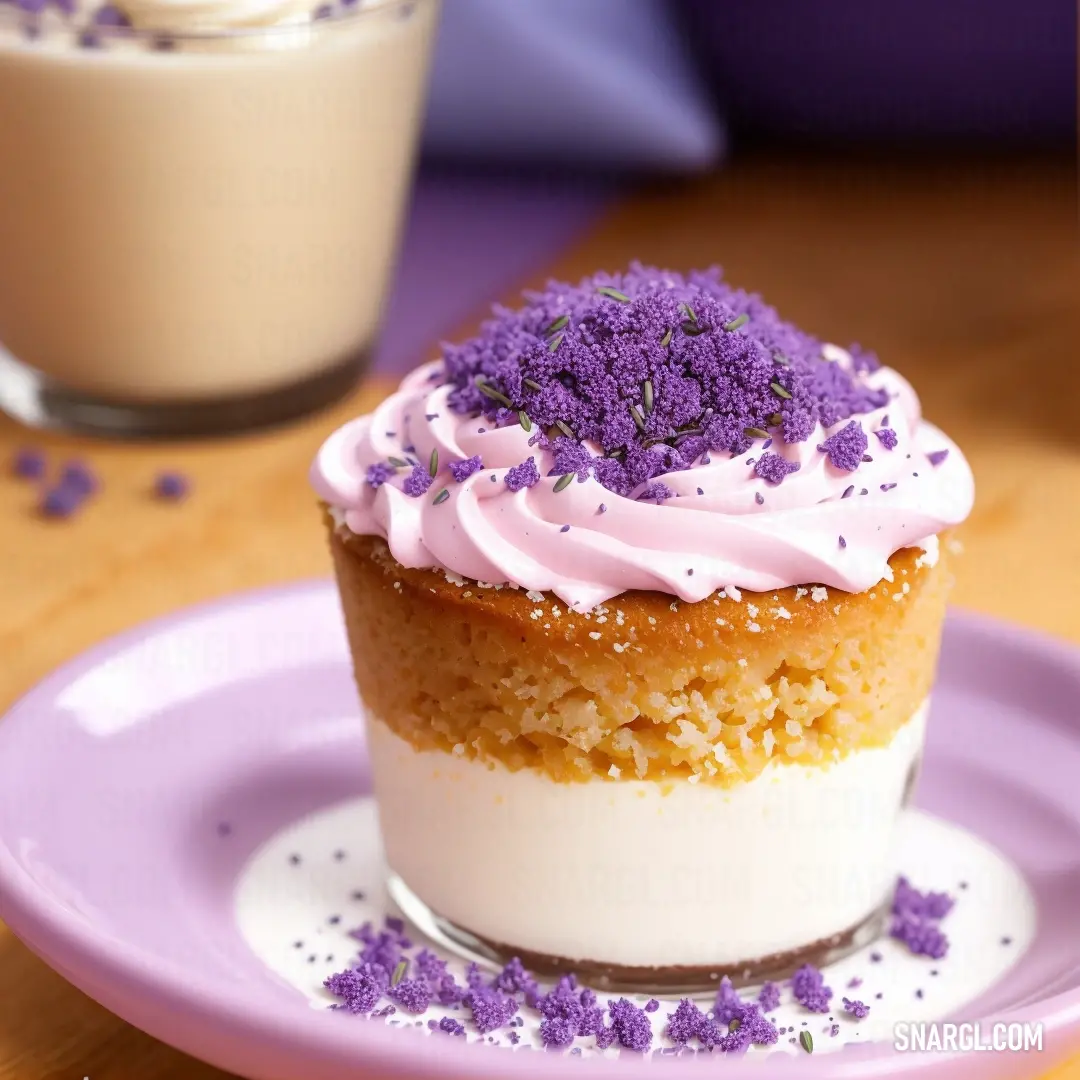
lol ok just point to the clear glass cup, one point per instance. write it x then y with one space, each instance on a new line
197 229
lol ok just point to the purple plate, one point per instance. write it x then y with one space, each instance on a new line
138 781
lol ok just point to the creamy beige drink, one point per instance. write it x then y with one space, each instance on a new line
202 205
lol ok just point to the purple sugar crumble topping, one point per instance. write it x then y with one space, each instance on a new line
28 464
907 900
936 457
490 1008
514 979
417 482
856 1008
772 468
656 492
915 917
379 473
649 371
523 476
769 998
809 989
449 1025
845 449
631 1026
728 1005
685 1022
887 438
359 988
462 470
413 995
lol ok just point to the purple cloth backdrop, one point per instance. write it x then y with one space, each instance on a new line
468 241
658 84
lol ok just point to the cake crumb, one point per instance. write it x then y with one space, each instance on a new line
781 613
819 594
594 634
800 592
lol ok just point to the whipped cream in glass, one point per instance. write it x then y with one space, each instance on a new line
202 203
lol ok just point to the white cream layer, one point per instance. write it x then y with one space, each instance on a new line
636 873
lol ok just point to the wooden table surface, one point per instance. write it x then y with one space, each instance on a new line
966 277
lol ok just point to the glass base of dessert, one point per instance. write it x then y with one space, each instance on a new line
35 400
644 590
701 980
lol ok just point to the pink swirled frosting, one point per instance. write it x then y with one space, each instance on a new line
720 523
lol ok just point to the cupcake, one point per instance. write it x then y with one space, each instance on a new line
644 589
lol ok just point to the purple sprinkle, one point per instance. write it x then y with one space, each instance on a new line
601 509
60 502
656 492
173 486
834 1030
809 989
867 457
523 476
89 40
878 996
431 416
417 482
887 438
936 457
766 444
490 1008
919 993
864 492
887 487
769 997
28 464
462 470
110 16
845 449
909 901
700 491
413 995
1006 941
854 983
772 468
843 542
359 988
848 491
875 957
565 528
630 1025
858 1009
652 1005
77 477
